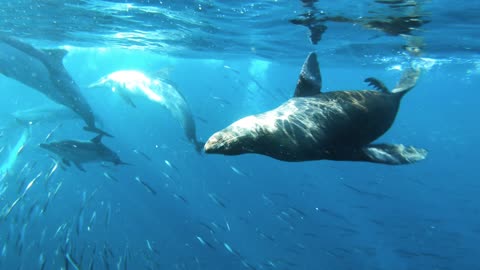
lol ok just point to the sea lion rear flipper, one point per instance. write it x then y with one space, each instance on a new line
310 80
377 84
392 154
407 81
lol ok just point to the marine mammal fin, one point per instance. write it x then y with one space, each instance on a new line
127 99
120 162
97 130
407 81
97 139
66 162
310 81
393 154
377 84
198 146
80 167
56 55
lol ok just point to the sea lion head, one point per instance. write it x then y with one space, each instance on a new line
238 138
273 133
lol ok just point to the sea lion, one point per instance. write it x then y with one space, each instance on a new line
337 125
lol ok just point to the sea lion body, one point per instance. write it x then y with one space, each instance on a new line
337 125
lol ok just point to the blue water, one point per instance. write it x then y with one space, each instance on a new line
232 60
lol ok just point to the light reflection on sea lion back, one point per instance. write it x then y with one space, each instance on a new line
291 131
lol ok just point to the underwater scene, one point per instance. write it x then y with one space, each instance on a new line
257 135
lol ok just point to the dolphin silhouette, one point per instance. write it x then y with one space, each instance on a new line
43 70
128 83
80 152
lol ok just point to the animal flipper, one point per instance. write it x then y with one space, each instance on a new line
120 162
377 84
392 154
198 146
310 80
97 130
66 162
127 99
407 81
97 139
80 167
56 55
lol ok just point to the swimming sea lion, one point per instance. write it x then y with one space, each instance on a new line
337 125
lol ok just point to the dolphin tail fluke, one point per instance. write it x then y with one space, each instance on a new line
407 82
97 130
199 146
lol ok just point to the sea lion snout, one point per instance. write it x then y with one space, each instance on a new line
226 142
214 144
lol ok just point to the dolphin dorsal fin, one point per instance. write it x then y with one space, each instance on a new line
56 55
310 80
97 139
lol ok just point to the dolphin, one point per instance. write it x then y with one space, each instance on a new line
80 152
43 70
128 83
313 125
44 114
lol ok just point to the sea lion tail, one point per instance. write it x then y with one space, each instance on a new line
407 82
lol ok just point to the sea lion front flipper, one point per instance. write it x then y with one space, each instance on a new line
377 84
393 154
